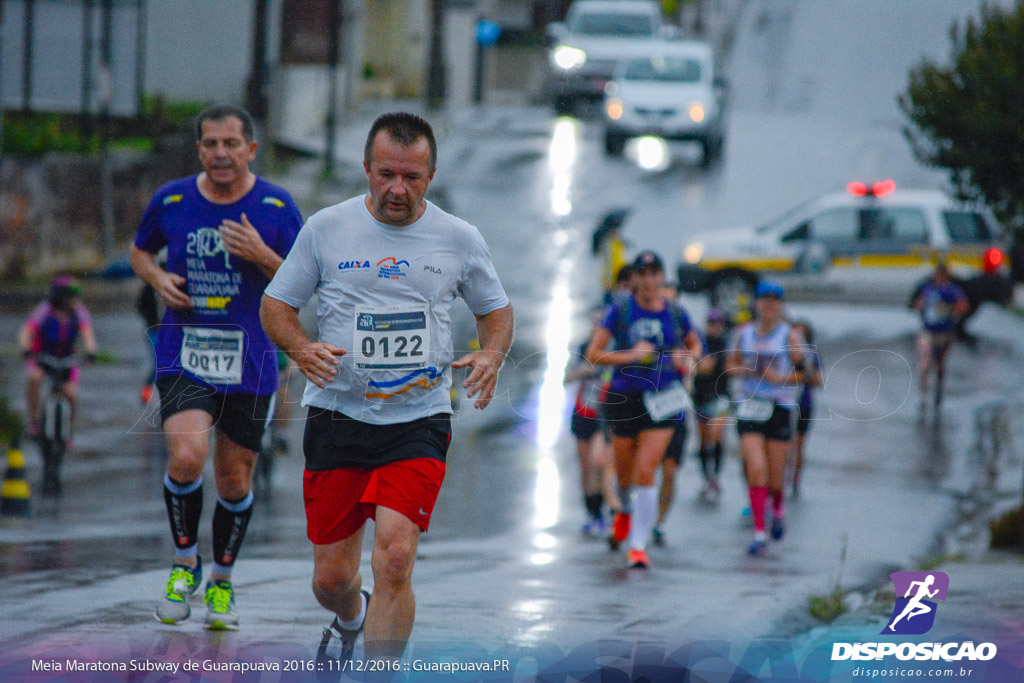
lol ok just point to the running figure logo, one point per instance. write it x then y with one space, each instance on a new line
914 613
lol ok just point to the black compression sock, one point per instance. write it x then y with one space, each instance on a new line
184 505
230 520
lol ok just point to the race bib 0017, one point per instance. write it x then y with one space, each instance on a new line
667 402
213 355
392 338
755 409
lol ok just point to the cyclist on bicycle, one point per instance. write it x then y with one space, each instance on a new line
54 328
941 303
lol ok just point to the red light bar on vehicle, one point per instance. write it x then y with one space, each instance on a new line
879 189
992 260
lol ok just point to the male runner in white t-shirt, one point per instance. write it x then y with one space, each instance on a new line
386 268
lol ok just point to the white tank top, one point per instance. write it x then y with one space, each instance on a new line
763 352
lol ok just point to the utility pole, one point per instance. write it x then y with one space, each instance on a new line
435 68
85 114
1 80
28 36
140 59
256 88
333 53
106 94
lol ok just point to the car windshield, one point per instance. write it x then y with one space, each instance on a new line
785 220
596 24
661 68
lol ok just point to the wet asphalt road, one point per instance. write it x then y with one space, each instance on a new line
504 564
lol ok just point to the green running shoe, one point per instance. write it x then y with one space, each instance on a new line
173 606
220 606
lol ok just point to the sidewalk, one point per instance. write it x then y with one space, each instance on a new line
985 601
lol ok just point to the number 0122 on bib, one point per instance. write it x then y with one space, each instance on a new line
392 339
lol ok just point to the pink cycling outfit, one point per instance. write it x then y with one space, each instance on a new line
55 334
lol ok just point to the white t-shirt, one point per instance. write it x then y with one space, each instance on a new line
385 296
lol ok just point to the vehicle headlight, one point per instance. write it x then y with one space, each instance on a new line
568 58
613 107
697 112
693 252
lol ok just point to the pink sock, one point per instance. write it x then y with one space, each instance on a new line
778 504
758 495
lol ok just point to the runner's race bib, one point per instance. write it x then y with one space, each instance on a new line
714 408
392 338
755 410
667 402
213 355
937 312
590 394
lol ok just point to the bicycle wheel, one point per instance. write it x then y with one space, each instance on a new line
52 445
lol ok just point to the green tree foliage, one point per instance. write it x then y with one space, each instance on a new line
968 117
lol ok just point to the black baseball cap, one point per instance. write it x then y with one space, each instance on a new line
648 260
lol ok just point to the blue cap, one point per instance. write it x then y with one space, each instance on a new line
768 288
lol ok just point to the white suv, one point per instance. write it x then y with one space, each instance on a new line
588 45
672 91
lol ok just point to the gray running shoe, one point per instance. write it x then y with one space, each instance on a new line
220 606
339 643
173 606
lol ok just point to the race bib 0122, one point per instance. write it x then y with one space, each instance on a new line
392 339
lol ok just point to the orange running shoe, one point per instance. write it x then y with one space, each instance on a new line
146 395
620 527
638 559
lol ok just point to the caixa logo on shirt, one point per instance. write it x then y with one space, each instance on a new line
358 264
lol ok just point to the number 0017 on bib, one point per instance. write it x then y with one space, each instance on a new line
392 339
213 355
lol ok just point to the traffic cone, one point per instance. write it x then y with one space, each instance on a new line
14 493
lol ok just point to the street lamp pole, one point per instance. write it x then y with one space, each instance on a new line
333 56
106 94
435 68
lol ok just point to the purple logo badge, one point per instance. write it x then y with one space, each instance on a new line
914 612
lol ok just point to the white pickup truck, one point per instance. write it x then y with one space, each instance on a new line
595 36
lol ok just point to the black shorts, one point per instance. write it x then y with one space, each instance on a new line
776 428
583 427
334 440
803 419
242 417
627 415
674 450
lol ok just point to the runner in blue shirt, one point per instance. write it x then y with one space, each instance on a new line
226 232
655 345
941 303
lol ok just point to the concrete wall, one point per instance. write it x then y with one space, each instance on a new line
398 42
197 50
51 208
202 50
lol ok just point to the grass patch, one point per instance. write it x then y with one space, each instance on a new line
827 608
1008 531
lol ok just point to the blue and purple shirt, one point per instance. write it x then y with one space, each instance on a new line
666 329
220 341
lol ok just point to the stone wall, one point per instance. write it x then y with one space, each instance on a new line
51 208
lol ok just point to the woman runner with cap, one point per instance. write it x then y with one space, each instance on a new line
765 354
655 345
